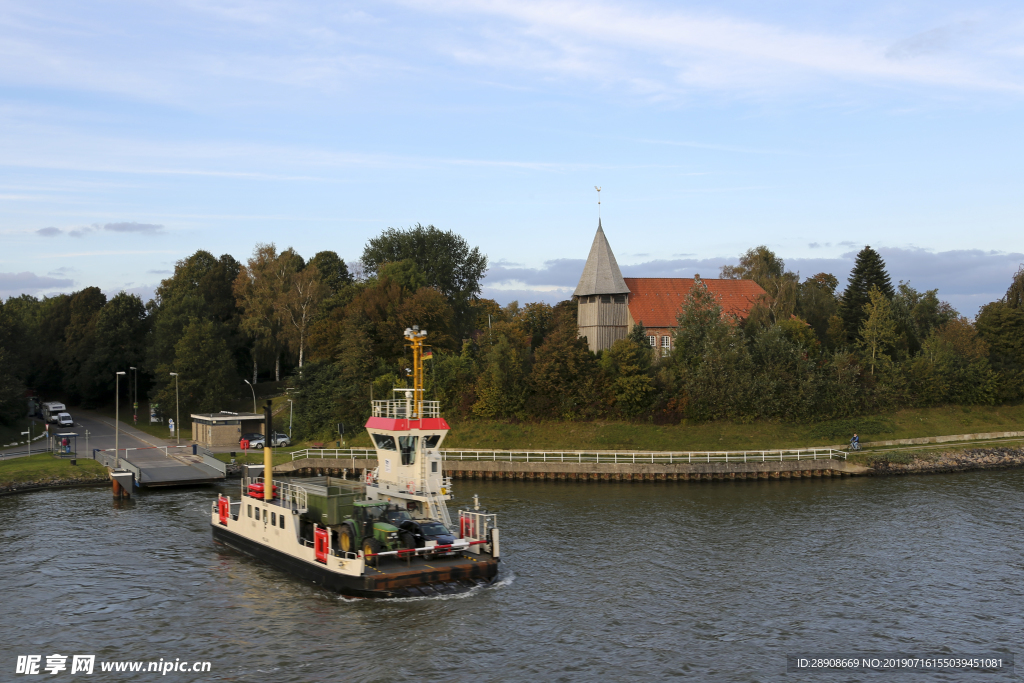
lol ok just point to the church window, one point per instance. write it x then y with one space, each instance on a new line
620 298
654 341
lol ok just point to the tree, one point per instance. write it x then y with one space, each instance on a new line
199 289
333 272
1015 294
699 323
563 379
761 265
1002 328
878 332
257 289
207 379
298 305
868 271
447 260
121 337
953 367
627 363
79 339
816 302
502 387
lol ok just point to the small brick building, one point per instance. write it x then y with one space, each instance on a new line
609 305
224 429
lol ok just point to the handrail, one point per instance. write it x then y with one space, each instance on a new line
596 456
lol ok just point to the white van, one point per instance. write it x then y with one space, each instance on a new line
64 420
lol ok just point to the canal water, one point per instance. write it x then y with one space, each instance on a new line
600 582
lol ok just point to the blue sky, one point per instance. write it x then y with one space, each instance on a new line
134 133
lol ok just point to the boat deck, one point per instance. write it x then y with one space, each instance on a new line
436 576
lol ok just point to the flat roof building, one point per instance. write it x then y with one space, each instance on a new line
224 429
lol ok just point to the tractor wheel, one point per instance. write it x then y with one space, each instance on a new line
345 540
371 546
407 539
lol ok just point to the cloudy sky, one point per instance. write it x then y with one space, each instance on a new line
134 133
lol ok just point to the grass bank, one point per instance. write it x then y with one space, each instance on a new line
903 424
43 467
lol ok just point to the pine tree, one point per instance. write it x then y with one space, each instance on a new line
868 271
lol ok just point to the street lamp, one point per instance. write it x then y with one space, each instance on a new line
291 414
117 418
177 410
135 403
253 395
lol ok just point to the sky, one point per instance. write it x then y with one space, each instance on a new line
134 133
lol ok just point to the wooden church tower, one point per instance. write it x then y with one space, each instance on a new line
602 297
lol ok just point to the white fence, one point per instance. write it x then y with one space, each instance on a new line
610 457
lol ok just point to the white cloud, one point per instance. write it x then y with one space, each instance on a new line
15 284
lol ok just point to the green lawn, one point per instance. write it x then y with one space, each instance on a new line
904 424
43 466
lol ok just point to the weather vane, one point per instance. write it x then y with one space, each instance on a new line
598 200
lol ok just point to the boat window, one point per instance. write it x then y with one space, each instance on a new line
250 510
385 442
273 519
257 514
430 440
408 446
433 466
282 521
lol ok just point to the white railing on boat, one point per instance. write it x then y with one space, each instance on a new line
610 457
401 409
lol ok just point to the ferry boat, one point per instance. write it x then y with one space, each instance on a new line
382 536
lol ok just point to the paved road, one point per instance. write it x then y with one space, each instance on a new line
101 435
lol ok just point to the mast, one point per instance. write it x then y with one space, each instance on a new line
415 336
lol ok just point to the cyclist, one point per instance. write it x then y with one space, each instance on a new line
855 443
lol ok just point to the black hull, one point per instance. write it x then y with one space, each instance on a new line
444 577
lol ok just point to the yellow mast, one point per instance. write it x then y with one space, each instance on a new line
415 337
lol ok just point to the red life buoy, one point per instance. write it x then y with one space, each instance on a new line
411 486
369 477
321 545
223 509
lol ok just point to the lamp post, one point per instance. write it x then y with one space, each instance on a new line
253 395
291 414
117 418
29 433
135 403
177 410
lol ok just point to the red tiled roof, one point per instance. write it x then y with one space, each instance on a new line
656 301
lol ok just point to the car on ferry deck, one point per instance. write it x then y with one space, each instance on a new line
424 530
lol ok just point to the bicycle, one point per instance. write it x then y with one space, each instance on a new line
854 445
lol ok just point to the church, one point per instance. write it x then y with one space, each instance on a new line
609 305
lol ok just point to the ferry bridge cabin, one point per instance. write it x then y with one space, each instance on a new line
609 305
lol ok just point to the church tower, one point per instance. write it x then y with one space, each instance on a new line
602 297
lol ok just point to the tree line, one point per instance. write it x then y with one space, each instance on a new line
805 351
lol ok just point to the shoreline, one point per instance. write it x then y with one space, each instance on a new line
953 462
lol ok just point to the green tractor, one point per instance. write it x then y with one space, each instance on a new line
368 529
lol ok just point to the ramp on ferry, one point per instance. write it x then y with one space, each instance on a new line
155 467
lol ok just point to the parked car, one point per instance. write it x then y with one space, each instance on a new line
257 440
424 530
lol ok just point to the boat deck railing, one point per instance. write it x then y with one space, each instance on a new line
402 409
610 457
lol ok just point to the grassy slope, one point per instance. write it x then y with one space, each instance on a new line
909 423
44 466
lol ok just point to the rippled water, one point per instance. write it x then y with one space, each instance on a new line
713 581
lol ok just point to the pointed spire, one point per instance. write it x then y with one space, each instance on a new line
601 275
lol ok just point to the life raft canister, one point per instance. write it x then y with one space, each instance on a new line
256 490
223 509
320 544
